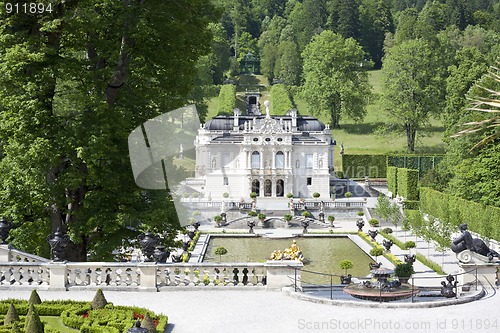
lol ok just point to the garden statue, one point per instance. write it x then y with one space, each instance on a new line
374 265
58 242
5 227
345 279
475 245
291 253
196 225
447 289
251 224
305 224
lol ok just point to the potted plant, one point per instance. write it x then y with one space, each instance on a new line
376 252
252 213
373 222
360 214
404 272
218 220
348 195
225 195
261 217
253 195
316 195
345 265
287 218
306 214
409 245
331 218
289 195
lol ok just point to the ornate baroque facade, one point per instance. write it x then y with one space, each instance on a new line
268 155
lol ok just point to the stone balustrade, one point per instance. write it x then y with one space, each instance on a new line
146 276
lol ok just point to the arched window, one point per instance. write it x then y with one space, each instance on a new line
279 162
256 186
280 187
255 160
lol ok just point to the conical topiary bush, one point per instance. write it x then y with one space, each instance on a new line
15 328
99 301
148 323
34 298
33 322
11 316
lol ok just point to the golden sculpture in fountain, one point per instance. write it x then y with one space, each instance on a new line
291 253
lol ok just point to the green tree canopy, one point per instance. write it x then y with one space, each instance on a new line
335 82
280 100
412 87
74 84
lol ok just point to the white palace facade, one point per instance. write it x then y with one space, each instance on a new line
269 155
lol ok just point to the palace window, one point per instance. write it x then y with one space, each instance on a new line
280 160
255 160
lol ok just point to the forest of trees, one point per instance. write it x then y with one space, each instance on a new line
75 81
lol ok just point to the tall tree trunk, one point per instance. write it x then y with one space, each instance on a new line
411 134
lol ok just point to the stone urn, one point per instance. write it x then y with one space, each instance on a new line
148 242
58 242
5 227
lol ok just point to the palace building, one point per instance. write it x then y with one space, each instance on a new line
268 155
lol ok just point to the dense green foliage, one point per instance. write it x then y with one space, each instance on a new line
335 84
408 183
99 301
79 315
453 210
74 84
35 298
227 99
422 163
358 166
392 179
280 100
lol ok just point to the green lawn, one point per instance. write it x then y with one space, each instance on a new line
359 137
56 323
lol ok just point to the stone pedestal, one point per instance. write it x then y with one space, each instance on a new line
148 276
58 275
5 253
282 273
485 273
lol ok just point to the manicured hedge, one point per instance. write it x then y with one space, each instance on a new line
411 204
480 218
407 183
280 100
422 163
392 180
358 166
79 315
227 99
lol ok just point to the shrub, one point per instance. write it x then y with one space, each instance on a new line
392 180
360 213
387 230
261 216
34 298
376 251
252 213
345 265
347 195
407 183
220 251
15 328
331 218
33 323
404 270
316 195
253 195
306 213
227 99
373 222
99 301
289 195
148 323
411 204
280 99
225 195
11 315
287 217
358 166
409 245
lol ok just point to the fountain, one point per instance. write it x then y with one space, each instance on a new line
291 253
381 288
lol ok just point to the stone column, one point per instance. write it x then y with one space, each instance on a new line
261 186
5 255
262 159
273 187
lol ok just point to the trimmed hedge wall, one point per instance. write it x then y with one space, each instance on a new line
422 163
358 166
227 99
392 180
407 183
280 100
485 220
